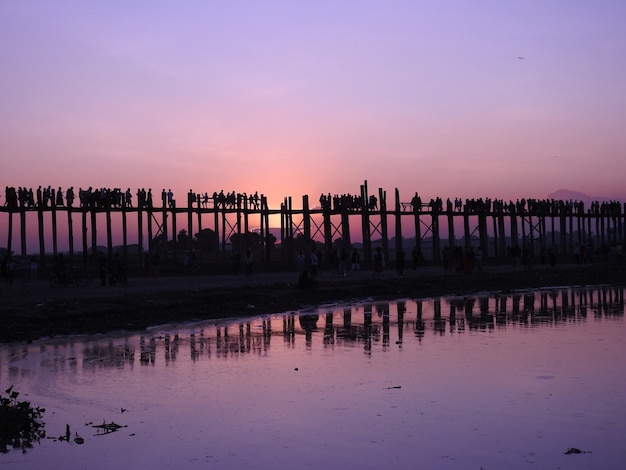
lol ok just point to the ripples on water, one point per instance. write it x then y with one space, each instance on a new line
487 381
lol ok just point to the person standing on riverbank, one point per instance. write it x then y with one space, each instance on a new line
378 261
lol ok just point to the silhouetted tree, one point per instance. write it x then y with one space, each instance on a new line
207 240
183 238
250 240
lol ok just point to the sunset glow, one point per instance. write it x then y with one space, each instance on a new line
447 98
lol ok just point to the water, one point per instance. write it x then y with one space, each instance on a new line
496 381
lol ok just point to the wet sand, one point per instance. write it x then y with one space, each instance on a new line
32 310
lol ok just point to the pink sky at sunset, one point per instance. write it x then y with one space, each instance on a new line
291 98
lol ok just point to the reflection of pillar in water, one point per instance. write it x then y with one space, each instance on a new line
267 333
401 309
291 322
329 331
347 319
452 316
440 323
144 353
529 302
219 344
242 338
152 350
515 305
500 309
192 346
367 329
543 303
419 323
385 312
308 324
564 302
484 306
468 304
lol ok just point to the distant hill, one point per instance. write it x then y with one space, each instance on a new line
567 194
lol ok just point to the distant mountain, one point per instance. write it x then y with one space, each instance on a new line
567 194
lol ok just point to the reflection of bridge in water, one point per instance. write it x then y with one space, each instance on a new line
365 325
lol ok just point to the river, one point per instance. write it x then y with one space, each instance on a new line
492 381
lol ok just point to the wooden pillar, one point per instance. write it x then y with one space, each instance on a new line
502 232
467 238
238 215
345 226
306 214
289 229
552 228
599 230
84 234
174 231
94 239
109 233
54 222
164 227
149 217
383 221
265 227
523 222
531 234
70 232
124 233
398 223
23 230
140 247
496 238
223 250
190 221
621 222
514 234
42 247
482 232
418 227
10 235
435 230
365 224
216 227
328 234
246 215
199 222
451 235
571 233
563 232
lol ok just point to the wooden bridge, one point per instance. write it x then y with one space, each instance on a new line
491 225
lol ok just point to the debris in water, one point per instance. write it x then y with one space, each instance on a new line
574 450
107 428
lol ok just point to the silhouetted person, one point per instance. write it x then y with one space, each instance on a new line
378 261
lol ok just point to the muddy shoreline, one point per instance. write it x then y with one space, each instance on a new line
33 310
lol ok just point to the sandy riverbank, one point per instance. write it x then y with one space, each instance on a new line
32 310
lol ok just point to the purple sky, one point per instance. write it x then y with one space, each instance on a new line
292 98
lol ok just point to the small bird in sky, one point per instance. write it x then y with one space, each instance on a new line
521 57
